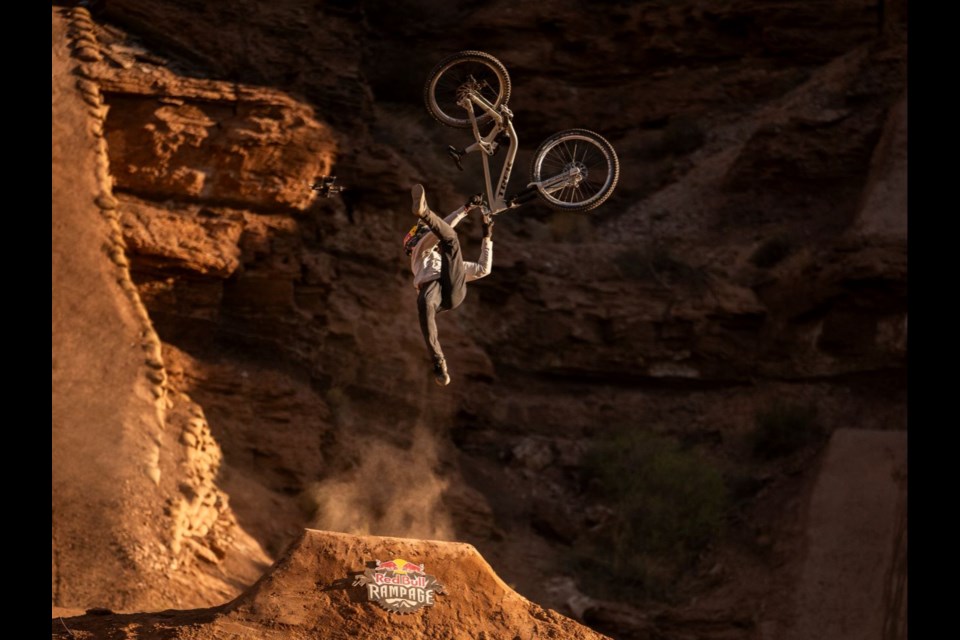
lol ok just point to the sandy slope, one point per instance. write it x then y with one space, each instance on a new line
103 417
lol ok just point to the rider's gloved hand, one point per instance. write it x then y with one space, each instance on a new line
488 228
475 201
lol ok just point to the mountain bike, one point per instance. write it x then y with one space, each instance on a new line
573 170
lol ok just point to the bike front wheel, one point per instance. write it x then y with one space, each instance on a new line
467 70
591 160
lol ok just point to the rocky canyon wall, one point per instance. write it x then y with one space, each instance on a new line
753 253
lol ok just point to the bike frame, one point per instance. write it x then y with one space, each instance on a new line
502 121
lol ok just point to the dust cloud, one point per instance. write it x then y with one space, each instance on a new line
393 492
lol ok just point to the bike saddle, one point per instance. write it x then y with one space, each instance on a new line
455 154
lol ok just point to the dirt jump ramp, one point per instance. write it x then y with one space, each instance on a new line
108 381
853 584
328 585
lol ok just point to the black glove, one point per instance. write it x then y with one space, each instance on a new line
488 227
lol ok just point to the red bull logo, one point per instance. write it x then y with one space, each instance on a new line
414 236
399 586
400 566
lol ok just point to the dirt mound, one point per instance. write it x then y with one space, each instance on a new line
310 593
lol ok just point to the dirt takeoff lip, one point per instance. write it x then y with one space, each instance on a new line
311 592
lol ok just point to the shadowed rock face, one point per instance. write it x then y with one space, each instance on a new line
750 253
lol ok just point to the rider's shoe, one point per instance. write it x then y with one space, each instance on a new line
419 196
440 371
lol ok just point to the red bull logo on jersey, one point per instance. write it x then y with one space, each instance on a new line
399 586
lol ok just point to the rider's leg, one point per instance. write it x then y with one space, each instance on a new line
453 276
428 305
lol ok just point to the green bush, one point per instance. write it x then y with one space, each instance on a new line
668 504
784 428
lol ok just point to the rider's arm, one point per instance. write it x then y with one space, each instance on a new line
454 218
481 268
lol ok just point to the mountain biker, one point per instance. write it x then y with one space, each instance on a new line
440 273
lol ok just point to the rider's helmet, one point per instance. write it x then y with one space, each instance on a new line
413 237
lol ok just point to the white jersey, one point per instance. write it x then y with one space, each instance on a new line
425 260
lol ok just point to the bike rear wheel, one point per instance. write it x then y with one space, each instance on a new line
592 154
474 70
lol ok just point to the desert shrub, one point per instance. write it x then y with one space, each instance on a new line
667 505
783 428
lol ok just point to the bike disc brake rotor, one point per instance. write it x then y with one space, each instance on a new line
581 168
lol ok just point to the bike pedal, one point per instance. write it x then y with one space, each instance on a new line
455 154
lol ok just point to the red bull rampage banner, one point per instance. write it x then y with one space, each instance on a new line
399 586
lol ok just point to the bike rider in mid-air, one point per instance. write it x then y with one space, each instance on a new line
440 274
573 170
